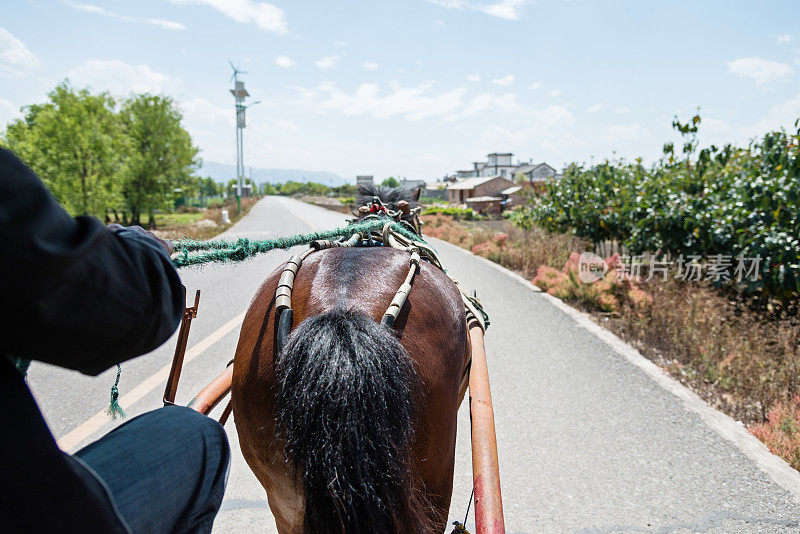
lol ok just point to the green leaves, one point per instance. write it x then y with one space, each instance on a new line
96 155
730 201
161 157
75 143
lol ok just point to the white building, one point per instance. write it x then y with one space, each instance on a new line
365 180
502 164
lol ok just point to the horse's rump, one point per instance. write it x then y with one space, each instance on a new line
384 401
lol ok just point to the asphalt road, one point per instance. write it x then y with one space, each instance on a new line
588 442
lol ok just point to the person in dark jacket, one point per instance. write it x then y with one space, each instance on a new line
76 294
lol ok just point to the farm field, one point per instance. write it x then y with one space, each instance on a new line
580 428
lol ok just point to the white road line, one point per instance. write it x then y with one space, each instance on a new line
71 439
781 472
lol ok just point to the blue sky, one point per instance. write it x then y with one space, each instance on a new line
420 88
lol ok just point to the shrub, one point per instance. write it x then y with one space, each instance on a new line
730 201
781 431
606 294
457 213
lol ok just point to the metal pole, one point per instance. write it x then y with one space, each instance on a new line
241 176
238 192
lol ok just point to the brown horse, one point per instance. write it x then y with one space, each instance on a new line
352 426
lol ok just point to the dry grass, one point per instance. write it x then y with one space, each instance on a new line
522 251
744 362
194 228
741 361
781 431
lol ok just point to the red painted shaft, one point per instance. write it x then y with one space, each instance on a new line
485 466
209 397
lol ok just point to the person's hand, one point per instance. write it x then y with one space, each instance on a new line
114 227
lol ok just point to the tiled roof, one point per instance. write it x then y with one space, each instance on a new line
471 183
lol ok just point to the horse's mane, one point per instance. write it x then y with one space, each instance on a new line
388 195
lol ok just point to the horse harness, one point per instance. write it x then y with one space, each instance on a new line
388 237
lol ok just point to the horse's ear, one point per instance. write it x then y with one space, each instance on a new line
415 195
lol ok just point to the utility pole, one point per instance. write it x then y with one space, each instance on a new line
239 93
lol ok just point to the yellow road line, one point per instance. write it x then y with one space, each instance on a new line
71 439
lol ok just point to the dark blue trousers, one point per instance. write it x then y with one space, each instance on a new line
165 470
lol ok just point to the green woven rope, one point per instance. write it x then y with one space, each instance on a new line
243 248
114 409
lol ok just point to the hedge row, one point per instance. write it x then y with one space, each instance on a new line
738 202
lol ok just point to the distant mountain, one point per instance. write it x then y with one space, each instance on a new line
222 173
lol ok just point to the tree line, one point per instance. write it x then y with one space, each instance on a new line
712 203
314 188
115 159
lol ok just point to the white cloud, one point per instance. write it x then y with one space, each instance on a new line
622 110
120 78
781 115
340 43
266 16
505 81
553 115
763 71
504 9
97 10
439 23
199 111
785 38
8 112
555 92
451 4
594 108
495 135
166 24
14 55
626 132
474 77
370 65
327 62
486 102
413 103
534 86
284 61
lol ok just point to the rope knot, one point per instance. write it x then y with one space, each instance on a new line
114 409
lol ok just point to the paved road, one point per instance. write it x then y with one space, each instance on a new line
587 441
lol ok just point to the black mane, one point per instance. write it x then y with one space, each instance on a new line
390 196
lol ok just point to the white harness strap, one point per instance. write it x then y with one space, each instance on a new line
390 238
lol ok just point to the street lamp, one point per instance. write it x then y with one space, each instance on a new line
239 93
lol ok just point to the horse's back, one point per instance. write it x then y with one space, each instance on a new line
431 328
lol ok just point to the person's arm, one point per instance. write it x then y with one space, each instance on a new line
73 293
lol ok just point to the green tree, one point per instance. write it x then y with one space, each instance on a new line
230 187
75 144
303 188
208 187
161 157
390 182
345 190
